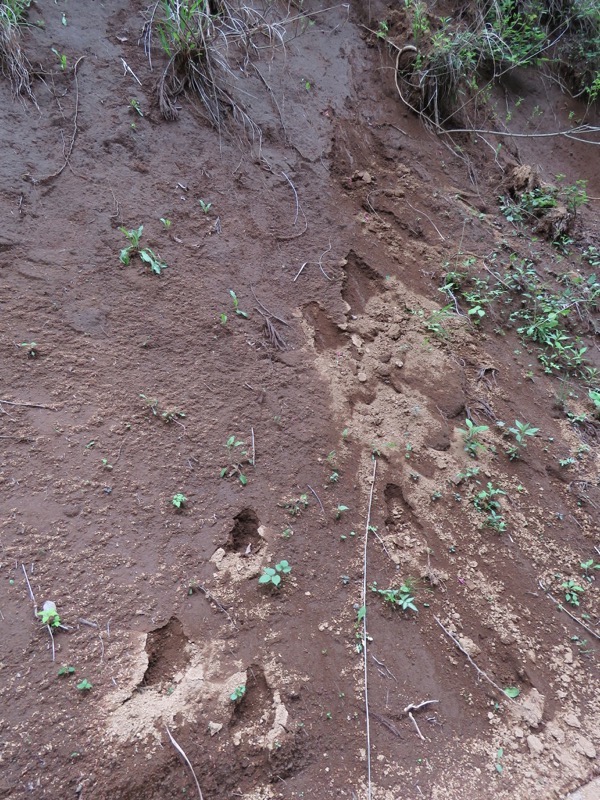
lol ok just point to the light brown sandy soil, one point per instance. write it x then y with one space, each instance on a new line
164 612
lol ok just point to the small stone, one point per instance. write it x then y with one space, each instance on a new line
518 733
535 745
356 341
362 377
586 747
214 727
558 733
532 708
569 657
572 721
469 646
399 364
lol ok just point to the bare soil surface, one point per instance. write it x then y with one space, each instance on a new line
335 233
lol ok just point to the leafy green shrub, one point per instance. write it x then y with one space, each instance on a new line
272 576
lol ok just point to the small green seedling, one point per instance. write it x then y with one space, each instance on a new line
166 222
206 207
340 510
587 567
147 255
512 691
168 415
499 756
61 58
295 507
471 435
572 592
401 597
66 670
84 685
49 615
272 575
223 318
179 500
521 431
382 30
594 396
106 465
31 348
237 693
236 307
134 104
234 446
334 477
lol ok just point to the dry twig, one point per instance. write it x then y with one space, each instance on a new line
473 664
187 761
561 607
364 630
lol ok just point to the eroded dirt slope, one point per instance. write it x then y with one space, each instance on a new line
335 233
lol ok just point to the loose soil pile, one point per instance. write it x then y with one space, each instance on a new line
335 233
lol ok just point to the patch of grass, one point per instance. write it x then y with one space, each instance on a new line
13 62
295 506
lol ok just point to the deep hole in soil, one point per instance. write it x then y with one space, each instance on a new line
398 508
167 653
244 532
327 334
360 283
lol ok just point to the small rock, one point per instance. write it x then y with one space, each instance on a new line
535 745
558 733
532 708
586 747
572 721
356 341
214 727
518 733
469 646
362 377
569 657
399 364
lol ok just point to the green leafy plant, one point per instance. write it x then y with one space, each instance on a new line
594 396
106 465
84 685
236 304
588 567
166 222
147 255
470 434
206 207
66 670
62 58
272 576
382 29
340 510
223 318
521 431
238 693
295 506
512 691
49 615
235 468
179 500
572 592
401 598
135 106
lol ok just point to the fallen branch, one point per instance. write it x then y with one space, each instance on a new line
317 496
214 600
187 761
26 405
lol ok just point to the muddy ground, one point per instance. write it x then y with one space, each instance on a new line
335 233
